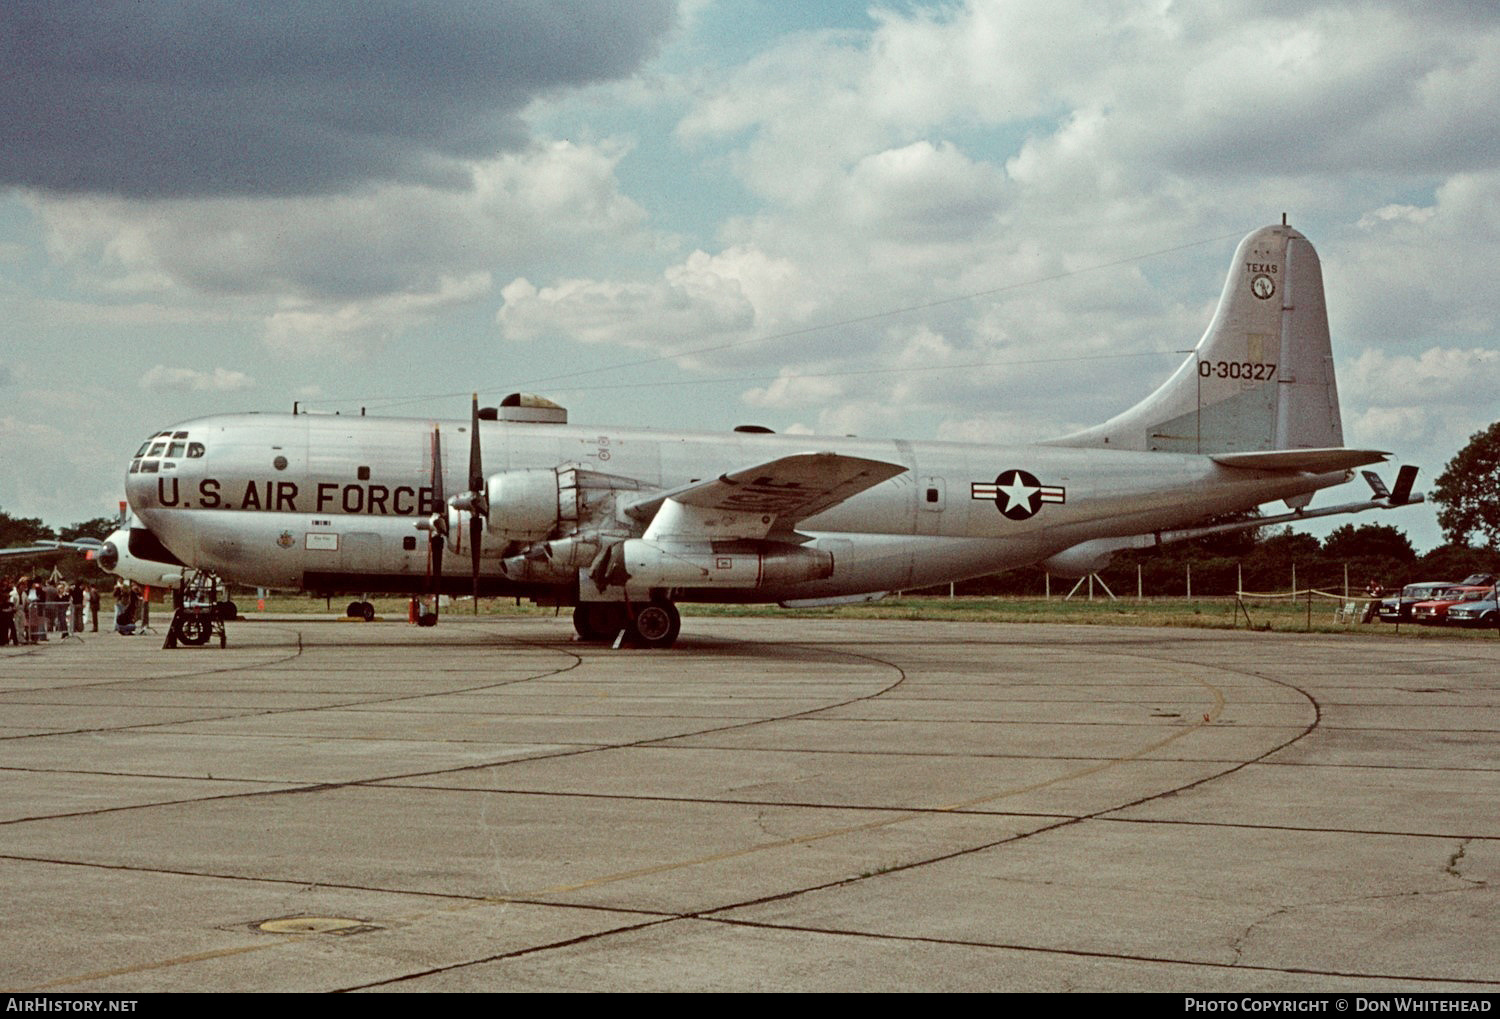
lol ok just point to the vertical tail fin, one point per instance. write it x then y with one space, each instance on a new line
1261 377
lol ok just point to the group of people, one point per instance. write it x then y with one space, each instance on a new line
31 608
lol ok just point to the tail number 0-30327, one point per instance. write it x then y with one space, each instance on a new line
1236 370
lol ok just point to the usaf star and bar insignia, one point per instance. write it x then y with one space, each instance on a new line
1018 494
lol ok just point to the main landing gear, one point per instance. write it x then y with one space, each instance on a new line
653 624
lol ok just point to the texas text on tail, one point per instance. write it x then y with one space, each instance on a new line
622 523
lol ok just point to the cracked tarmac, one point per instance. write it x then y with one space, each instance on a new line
775 804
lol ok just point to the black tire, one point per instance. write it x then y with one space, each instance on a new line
353 611
656 625
194 631
366 611
598 621
425 618
228 610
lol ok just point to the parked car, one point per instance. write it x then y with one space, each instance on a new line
1435 612
1479 612
1398 609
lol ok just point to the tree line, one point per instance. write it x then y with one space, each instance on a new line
18 532
1263 563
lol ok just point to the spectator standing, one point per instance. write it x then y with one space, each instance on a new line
35 605
7 613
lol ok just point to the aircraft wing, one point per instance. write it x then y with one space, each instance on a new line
753 501
1315 461
40 547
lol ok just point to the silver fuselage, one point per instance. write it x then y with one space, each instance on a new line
328 503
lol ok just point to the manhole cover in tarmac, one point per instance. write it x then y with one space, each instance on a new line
314 925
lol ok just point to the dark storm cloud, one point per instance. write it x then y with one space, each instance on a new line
163 99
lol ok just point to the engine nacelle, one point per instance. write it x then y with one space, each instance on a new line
523 504
649 564
553 562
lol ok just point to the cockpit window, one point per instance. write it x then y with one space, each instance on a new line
144 446
135 467
150 467
177 449
179 435
195 450
156 448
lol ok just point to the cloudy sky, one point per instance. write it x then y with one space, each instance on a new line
994 221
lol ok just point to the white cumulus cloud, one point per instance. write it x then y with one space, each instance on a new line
219 380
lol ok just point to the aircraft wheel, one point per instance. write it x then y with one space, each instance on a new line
598 621
366 611
228 610
656 624
353 611
194 631
427 619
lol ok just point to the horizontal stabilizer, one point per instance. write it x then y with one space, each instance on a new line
1313 461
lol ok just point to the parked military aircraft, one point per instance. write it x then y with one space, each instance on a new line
51 546
624 523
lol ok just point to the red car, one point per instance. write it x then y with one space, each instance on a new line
1435 612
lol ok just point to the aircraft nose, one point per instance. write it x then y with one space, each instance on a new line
108 557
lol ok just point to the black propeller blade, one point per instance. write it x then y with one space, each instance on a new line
479 503
438 522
